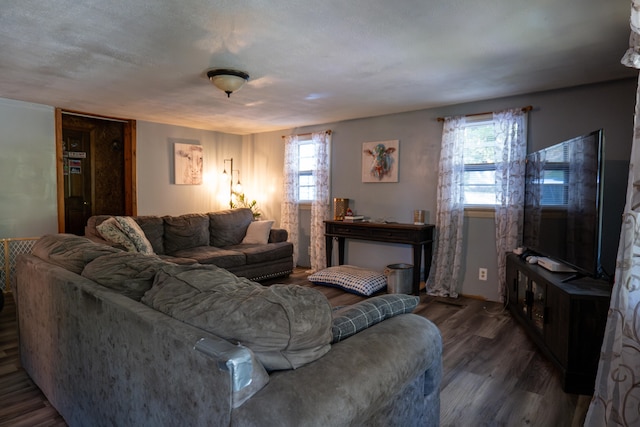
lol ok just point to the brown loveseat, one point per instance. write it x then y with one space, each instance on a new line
212 238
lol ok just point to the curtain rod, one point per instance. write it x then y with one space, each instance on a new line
328 132
524 109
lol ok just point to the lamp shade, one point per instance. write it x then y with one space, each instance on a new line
227 80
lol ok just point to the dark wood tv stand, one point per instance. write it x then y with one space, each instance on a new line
566 320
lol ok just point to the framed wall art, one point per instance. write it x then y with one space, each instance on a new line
380 161
188 161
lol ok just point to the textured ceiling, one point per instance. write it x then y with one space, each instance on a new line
309 62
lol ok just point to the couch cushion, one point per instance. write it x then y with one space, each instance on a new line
258 232
128 273
285 326
350 278
70 251
111 232
185 231
278 235
133 231
352 319
177 260
262 253
223 258
228 227
153 227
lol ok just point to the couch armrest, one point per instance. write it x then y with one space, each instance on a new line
234 359
247 374
90 230
362 380
278 235
139 366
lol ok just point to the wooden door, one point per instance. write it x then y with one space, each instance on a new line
78 183
96 168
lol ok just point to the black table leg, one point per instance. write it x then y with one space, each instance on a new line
417 262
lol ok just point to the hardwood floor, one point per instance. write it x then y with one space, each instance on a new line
21 401
493 374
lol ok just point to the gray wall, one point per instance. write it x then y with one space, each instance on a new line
28 193
556 116
157 193
28 200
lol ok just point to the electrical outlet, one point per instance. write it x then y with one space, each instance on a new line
482 274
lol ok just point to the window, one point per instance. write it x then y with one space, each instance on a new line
306 165
479 167
555 178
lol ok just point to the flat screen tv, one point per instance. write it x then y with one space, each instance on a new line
563 203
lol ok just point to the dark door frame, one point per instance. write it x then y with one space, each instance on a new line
130 190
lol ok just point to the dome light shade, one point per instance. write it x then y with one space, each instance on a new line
227 80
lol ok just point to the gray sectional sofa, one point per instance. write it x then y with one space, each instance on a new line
212 238
115 338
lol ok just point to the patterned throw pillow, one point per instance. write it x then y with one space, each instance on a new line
111 232
350 278
351 319
133 231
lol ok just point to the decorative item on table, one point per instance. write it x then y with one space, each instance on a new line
418 217
350 217
340 207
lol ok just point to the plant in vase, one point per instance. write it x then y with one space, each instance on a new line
241 201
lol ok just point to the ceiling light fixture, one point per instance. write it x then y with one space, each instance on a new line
227 80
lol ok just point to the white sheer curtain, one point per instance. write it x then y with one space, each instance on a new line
320 207
616 399
444 278
533 197
289 210
511 152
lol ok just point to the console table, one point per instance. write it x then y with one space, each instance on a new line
420 237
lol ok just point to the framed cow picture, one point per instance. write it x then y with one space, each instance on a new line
380 161
188 163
